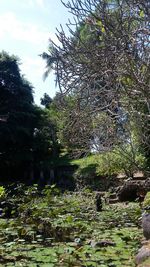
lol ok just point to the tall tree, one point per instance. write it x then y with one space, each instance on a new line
106 62
16 105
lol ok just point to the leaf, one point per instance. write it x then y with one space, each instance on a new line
100 24
23 231
103 29
142 14
69 219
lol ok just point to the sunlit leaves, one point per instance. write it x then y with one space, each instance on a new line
142 14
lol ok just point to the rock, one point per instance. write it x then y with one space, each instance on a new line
102 243
146 225
129 191
134 189
113 195
143 254
113 200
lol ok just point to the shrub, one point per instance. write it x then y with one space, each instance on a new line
2 192
107 164
146 201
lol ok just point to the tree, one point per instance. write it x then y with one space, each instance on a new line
28 134
73 129
16 105
45 144
105 63
46 100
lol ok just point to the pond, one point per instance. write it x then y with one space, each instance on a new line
52 229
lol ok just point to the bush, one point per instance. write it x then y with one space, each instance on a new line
107 164
2 192
146 201
110 163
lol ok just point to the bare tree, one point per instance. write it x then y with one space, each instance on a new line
105 63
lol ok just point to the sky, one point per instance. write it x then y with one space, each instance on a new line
25 28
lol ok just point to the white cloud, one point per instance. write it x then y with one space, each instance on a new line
33 4
33 66
18 30
40 3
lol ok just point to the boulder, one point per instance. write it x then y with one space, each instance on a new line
129 191
133 189
143 257
146 225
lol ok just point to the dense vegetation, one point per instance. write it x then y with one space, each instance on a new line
27 133
95 128
52 229
102 68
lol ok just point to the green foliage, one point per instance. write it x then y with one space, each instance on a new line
2 192
65 230
16 105
145 263
142 14
146 202
100 24
109 163
87 67
50 58
45 144
46 100
28 138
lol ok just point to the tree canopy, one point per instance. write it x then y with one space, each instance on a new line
27 133
16 105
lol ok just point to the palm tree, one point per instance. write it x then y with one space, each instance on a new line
51 59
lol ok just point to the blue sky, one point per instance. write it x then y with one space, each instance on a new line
25 27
